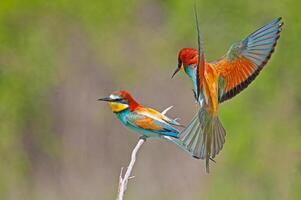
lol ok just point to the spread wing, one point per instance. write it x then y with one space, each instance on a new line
151 120
245 59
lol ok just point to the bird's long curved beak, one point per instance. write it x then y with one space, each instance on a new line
178 69
105 99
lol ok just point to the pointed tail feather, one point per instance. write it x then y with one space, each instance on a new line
204 137
178 142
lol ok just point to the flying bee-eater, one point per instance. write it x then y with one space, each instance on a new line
218 81
147 122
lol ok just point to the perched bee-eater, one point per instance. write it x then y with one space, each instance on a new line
145 121
218 81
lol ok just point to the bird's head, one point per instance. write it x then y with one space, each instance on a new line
120 101
186 57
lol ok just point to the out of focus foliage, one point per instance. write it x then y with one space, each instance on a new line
57 142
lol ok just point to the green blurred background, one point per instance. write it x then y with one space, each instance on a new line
57 142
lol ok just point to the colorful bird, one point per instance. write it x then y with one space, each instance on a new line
145 121
218 81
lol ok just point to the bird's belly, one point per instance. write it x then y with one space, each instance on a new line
144 132
210 90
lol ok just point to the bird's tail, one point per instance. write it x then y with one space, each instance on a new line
204 137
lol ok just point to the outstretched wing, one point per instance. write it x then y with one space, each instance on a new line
245 59
151 120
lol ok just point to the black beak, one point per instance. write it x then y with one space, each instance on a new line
178 69
105 99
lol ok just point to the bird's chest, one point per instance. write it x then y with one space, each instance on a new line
191 73
122 116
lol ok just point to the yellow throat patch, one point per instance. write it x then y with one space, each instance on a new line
118 107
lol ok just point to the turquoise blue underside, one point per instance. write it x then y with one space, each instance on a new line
190 71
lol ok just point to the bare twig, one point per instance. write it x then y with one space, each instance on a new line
124 181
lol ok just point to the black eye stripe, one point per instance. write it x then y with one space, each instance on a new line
116 100
119 100
123 101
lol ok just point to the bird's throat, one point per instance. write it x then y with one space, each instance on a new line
118 107
191 73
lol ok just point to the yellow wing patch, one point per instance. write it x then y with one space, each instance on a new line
148 121
151 112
